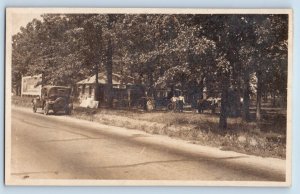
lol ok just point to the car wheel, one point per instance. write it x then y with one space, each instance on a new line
46 109
68 111
170 107
34 108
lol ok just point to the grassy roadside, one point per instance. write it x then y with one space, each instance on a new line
196 128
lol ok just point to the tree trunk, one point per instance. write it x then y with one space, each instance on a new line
258 98
18 90
109 67
274 98
224 105
201 87
151 91
246 97
238 101
265 96
96 94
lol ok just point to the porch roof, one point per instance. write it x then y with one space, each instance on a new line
102 79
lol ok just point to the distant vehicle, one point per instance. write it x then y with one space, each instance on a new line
208 104
55 98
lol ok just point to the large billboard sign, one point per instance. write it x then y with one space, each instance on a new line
31 85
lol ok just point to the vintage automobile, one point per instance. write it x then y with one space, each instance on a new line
55 98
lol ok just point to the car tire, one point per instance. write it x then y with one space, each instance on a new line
34 109
170 107
68 111
46 109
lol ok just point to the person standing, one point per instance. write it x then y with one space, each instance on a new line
200 103
144 101
174 103
181 102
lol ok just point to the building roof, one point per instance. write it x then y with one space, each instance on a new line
102 79
52 86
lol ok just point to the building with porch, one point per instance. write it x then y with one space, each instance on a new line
125 93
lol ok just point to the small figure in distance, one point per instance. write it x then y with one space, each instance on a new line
174 103
181 102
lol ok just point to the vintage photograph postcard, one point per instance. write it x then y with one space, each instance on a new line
178 97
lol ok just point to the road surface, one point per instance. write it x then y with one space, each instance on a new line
60 147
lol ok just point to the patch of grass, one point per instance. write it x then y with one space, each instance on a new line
201 129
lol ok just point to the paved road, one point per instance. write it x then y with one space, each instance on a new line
60 147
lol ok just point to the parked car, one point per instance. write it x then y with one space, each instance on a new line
55 98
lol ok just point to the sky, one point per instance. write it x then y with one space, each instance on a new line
21 20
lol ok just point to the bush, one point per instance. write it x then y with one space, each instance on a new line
24 101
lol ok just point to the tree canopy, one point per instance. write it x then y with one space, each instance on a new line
218 52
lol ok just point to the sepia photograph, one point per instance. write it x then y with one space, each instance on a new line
138 96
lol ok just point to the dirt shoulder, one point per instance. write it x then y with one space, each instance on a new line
195 128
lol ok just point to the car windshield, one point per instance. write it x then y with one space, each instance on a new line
59 92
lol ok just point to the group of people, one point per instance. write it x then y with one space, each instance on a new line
202 104
210 103
178 102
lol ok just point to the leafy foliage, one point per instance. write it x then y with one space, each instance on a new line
191 52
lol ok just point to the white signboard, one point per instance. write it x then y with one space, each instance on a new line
31 85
